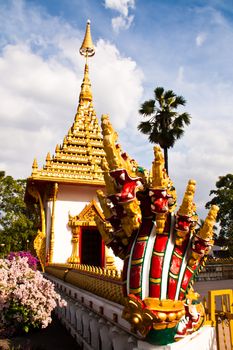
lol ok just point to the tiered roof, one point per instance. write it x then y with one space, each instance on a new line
78 159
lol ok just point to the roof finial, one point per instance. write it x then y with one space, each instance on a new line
87 48
34 166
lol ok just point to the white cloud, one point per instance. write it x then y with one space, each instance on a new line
117 86
34 107
205 151
122 6
33 78
121 22
200 39
124 20
203 154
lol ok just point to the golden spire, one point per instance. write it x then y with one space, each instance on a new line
87 49
78 158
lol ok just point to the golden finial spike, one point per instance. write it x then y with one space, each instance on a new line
186 208
87 49
159 175
48 158
35 164
206 232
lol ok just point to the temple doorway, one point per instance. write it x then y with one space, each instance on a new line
92 247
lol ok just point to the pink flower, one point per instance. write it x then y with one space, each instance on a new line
26 294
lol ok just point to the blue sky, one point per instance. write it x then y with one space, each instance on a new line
181 45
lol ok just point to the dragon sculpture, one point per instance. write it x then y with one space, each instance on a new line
162 251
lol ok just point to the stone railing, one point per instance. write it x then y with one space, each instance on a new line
216 271
102 282
96 322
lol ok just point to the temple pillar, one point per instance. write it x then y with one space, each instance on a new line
52 234
75 258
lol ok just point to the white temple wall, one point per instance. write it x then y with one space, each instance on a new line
70 199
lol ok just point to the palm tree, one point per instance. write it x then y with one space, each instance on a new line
165 125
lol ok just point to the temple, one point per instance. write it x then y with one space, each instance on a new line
65 187
151 301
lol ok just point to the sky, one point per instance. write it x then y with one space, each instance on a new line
183 45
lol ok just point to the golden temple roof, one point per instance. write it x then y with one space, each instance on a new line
78 159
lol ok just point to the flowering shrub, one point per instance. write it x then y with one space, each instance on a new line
32 260
26 297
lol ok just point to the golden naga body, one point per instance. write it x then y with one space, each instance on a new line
141 227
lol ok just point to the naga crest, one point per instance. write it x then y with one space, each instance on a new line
161 249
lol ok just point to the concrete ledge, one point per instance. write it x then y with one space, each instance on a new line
204 339
96 324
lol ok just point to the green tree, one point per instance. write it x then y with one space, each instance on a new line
18 223
165 124
223 197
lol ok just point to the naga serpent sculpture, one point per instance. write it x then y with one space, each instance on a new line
162 251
